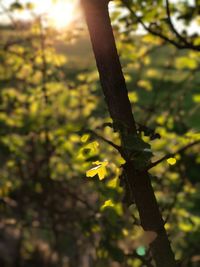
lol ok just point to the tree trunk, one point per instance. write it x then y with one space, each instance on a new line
116 96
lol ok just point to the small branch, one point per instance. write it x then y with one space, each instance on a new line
186 44
118 148
153 164
172 25
9 15
12 42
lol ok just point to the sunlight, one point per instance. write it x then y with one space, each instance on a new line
61 14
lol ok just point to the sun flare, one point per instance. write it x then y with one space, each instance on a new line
61 14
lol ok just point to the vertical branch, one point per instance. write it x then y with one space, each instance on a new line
116 96
46 100
44 62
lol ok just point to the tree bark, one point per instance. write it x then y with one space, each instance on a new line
116 96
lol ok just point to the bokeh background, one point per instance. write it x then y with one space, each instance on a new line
51 213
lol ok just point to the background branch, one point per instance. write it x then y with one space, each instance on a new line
184 45
173 154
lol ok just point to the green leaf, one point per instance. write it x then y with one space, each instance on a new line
186 63
85 138
99 170
171 161
107 203
196 98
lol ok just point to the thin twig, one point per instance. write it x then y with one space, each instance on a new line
177 34
186 44
118 148
153 164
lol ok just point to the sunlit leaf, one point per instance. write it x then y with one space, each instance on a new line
171 161
145 84
99 170
108 203
196 98
85 138
186 62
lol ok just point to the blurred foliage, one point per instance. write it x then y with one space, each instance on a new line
61 202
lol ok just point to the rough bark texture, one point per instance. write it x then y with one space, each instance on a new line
116 96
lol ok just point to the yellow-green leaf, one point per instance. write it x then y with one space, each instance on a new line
85 138
171 161
107 203
196 98
145 84
99 170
